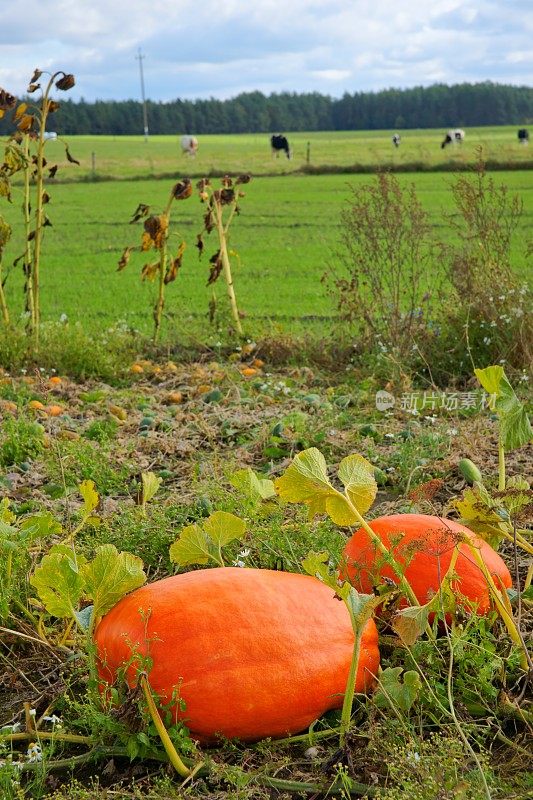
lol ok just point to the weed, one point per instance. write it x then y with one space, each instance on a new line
25 152
20 440
156 235
383 288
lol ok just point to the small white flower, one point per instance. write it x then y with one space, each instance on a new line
239 563
54 720
34 752
453 431
486 340
33 712
63 318
244 553
389 436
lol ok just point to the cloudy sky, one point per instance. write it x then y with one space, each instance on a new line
208 48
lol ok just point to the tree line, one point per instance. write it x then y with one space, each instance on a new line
437 106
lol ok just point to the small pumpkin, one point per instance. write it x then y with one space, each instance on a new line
423 545
254 653
53 410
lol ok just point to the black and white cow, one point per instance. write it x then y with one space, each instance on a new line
396 139
523 136
455 136
189 145
280 144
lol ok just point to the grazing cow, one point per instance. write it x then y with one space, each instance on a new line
189 145
523 136
453 137
396 139
279 144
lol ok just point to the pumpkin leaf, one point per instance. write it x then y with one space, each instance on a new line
59 581
357 475
478 512
111 575
306 481
192 547
150 486
251 486
90 497
395 693
411 622
223 527
515 428
361 607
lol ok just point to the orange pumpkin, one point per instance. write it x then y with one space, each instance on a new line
254 653
53 411
424 545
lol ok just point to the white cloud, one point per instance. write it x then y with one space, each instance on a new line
209 48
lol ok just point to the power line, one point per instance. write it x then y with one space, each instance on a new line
140 58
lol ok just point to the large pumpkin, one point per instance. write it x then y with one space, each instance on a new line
423 545
254 653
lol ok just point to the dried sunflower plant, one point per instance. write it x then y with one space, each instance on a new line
222 207
156 237
24 153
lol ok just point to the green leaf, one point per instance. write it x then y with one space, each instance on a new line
362 607
150 486
192 547
411 622
306 481
253 487
111 575
41 525
357 475
490 378
90 497
392 692
84 617
479 513
518 495
6 515
515 428
223 527
59 582
317 565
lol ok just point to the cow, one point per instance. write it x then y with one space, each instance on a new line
279 144
453 137
396 139
189 145
523 136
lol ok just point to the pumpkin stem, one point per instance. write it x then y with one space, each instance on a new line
501 464
346 714
166 741
510 624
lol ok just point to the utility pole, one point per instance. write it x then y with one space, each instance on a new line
140 58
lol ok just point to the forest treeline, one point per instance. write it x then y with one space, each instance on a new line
437 106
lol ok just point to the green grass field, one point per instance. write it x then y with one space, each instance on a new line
285 237
131 156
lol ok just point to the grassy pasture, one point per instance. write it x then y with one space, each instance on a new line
285 238
131 156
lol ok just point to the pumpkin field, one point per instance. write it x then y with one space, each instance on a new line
265 510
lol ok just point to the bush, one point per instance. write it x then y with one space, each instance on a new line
492 308
384 283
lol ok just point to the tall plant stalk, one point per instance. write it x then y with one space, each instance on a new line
25 153
222 237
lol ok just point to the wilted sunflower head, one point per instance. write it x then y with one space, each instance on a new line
66 82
